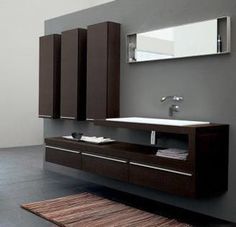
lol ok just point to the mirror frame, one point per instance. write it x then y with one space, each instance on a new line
224 21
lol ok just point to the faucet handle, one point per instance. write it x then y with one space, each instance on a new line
173 98
178 98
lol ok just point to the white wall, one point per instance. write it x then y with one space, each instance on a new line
21 23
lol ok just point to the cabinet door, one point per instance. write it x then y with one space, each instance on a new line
167 180
105 166
73 74
49 76
63 156
103 70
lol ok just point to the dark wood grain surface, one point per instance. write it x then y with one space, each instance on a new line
103 70
49 76
73 74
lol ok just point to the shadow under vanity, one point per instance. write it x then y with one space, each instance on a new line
79 80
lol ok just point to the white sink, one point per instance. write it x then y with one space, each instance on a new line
157 121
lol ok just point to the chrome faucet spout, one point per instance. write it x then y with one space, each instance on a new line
173 108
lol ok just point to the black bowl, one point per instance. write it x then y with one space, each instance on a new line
76 135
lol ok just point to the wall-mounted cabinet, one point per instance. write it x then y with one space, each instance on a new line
49 76
103 70
73 74
204 173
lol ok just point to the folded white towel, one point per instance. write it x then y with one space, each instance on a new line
91 139
95 139
173 153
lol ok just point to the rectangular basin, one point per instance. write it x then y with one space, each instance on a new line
157 121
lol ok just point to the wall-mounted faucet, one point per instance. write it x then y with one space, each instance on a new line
173 108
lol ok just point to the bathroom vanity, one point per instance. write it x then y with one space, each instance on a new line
76 95
204 173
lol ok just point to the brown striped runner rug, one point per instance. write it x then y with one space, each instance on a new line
88 210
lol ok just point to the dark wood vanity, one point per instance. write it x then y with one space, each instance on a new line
204 173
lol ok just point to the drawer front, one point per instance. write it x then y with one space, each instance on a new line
166 180
105 166
62 156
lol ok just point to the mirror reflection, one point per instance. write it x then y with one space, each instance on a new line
197 39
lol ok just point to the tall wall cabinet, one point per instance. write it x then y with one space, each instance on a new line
73 74
103 70
49 76
79 72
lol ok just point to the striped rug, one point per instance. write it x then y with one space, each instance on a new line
88 210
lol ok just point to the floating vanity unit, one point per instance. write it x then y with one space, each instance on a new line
204 172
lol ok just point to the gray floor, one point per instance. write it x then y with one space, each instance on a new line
23 180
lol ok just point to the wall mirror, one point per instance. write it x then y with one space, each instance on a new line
197 39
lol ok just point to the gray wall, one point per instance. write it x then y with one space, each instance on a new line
207 83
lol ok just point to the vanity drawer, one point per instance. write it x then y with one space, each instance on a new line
63 156
106 166
167 180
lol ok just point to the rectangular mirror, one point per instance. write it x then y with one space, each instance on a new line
196 39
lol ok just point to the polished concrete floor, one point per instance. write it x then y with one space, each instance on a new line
23 180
